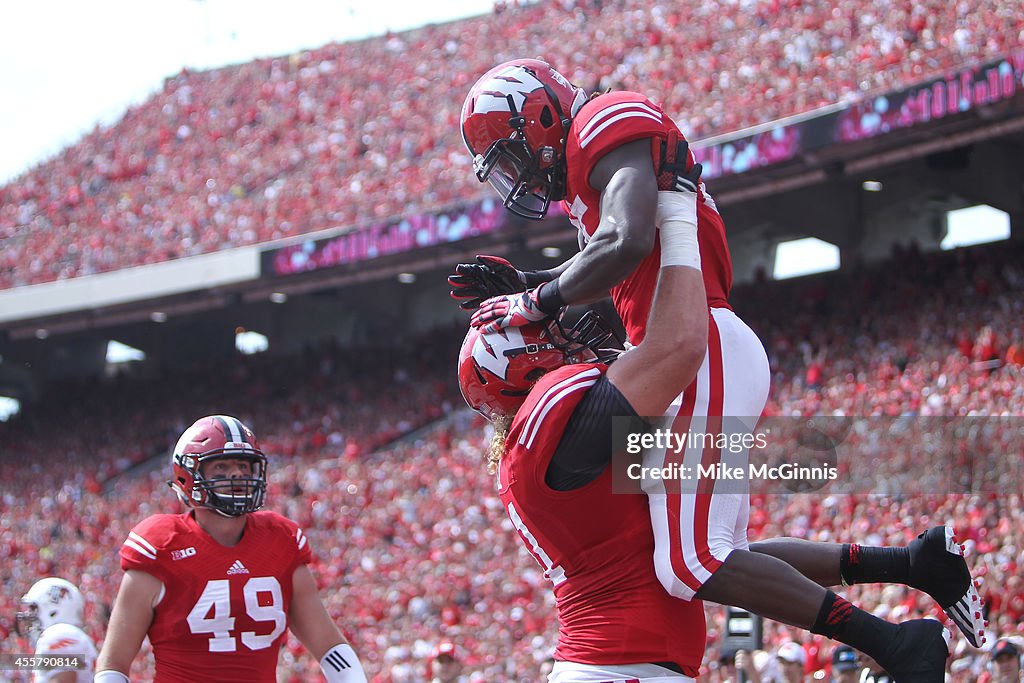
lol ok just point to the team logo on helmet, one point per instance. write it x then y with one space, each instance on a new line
497 369
515 122
512 82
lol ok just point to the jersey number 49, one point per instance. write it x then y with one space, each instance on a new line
216 597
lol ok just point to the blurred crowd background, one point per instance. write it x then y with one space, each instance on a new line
360 131
374 455
372 450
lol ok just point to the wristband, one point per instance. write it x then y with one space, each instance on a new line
549 298
340 665
676 219
109 676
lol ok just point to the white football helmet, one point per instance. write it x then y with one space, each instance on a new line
49 601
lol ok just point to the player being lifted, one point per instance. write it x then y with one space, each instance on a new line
215 588
623 170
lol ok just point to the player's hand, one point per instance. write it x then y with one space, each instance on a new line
510 310
672 172
490 276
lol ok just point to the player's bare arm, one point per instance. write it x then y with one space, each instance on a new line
651 375
474 283
542 276
308 618
129 622
625 235
313 626
645 380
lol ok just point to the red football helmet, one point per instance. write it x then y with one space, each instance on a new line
515 122
219 436
497 370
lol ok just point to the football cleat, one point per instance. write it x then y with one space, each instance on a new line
938 567
919 653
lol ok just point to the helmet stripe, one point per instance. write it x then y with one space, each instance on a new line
232 428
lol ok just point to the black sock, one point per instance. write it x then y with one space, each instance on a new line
869 564
840 620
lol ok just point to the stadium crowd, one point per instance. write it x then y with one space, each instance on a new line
411 544
362 131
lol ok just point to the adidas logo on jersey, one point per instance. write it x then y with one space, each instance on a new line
237 568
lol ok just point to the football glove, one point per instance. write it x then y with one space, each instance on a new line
510 310
670 161
490 276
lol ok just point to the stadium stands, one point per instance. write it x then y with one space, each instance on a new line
413 546
343 134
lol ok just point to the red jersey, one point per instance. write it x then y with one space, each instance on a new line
603 124
223 611
596 547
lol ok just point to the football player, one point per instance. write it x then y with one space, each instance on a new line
51 617
551 403
623 171
636 189
216 587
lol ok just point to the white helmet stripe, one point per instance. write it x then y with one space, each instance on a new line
233 427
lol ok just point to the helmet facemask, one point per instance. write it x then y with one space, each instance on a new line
27 623
233 496
528 182
585 340
523 155
229 496
49 601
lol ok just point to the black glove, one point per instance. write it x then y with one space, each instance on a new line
474 283
670 161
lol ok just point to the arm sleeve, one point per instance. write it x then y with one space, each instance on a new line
586 447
